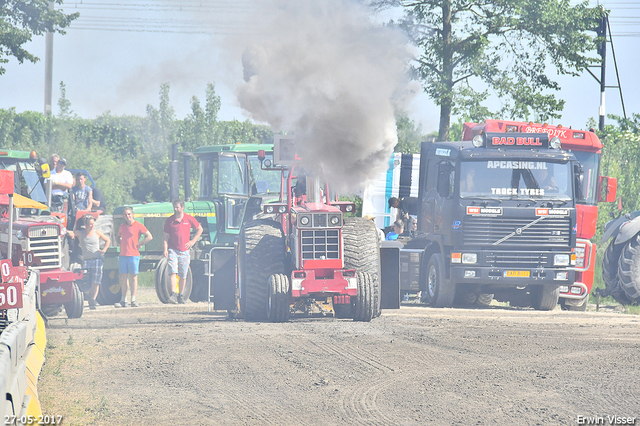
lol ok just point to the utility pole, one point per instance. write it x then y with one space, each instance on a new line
602 50
48 68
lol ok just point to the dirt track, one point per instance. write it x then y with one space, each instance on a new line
161 365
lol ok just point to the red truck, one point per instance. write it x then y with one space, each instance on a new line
587 148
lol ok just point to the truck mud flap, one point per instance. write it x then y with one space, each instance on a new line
390 270
223 278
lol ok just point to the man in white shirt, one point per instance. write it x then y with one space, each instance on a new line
61 182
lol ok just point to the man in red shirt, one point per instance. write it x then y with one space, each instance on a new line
177 242
129 261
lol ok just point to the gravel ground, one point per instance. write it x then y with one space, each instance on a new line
181 365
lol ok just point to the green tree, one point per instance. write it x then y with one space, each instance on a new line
508 47
21 20
621 159
409 135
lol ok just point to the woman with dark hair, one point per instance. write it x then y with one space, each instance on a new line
89 240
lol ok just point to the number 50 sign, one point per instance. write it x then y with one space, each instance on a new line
11 286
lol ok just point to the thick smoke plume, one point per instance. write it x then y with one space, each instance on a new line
323 70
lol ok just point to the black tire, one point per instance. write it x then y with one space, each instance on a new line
484 299
261 251
51 310
610 265
439 293
161 290
279 301
574 304
343 311
364 308
165 288
545 297
629 270
362 252
110 291
75 307
465 297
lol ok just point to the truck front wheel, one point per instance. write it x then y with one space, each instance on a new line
440 294
545 297
574 304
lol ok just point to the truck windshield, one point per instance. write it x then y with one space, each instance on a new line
590 162
515 179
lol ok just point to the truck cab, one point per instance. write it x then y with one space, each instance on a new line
496 217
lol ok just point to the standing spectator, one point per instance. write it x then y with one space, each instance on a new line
177 242
99 204
129 261
82 193
61 182
89 239
53 161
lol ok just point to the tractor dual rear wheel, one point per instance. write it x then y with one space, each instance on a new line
279 301
362 253
365 301
261 252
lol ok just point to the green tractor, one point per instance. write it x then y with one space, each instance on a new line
232 187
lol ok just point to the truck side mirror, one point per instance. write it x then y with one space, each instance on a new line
607 189
578 172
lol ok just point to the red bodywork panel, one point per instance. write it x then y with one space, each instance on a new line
580 140
56 286
322 281
587 219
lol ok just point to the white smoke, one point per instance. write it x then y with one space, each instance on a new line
323 70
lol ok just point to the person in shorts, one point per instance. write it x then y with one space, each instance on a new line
177 242
129 260
89 239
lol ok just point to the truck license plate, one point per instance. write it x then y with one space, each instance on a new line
517 274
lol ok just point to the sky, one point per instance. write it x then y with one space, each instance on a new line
118 53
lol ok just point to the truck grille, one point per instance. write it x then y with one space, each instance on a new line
552 232
320 244
513 259
45 244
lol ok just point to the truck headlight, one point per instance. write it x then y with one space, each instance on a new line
334 220
269 209
469 258
580 251
282 209
304 220
561 260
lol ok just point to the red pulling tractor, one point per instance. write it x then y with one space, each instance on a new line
302 255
